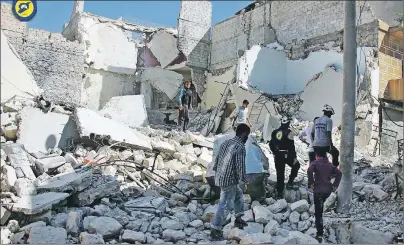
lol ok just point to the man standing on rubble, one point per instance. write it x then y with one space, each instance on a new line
322 135
230 171
305 136
282 146
319 174
240 115
185 104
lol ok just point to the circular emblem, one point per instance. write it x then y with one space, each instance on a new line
279 135
24 10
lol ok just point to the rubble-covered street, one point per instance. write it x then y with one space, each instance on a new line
91 150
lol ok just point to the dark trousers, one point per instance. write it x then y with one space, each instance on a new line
333 151
184 117
319 199
280 162
312 156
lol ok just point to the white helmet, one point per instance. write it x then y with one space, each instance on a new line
285 120
329 109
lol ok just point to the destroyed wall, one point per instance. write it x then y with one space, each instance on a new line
56 63
285 22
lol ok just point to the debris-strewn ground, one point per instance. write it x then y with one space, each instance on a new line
115 184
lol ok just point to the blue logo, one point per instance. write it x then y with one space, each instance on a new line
24 10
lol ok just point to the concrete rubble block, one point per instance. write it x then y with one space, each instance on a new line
133 236
329 203
236 234
87 238
41 131
294 217
101 186
13 226
173 236
8 118
73 223
65 168
205 158
272 227
209 213
47 235
164 47
5 235
17 238
248 216
66 182
362 235
147 204
262 214
11 176
257 238
25 187
129 110
13 148
10 132
4 215
45 164
296 237
69 158
300 206
59 220
278 206
166 81
89 122
201 141
39 203
27 228
106 226
375 191
162 146
16 79
254 228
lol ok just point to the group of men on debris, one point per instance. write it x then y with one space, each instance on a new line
230 166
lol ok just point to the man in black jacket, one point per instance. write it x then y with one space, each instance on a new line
282 146
185 104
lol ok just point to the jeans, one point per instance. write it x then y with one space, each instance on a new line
184 117
231 197
319 199
280 161
333 151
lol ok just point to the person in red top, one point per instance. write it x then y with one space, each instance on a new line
320 173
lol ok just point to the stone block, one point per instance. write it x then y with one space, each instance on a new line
46 164
66 182
39 203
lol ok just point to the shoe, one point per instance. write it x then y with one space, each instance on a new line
319 238
289 185
239 223
216 234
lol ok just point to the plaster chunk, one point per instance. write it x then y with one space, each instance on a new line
166 81
163 45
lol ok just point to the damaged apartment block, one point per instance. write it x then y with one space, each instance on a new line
90 147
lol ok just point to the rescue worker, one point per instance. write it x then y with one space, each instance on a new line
240 115
185 104
322 135
282 146
305 136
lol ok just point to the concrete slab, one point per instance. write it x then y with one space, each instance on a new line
40 131
168 82
16 79
101 186
44 164
129 110
163 45
66 182
89 122
147 204
327 89
39 203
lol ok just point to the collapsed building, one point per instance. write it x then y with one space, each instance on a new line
100 100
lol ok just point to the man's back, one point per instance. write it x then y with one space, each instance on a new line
320 173
242 115
321 126
230 163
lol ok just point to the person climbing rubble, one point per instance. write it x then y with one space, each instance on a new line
185 104
230 171
305 136
240 115
320 173
322 135
282 146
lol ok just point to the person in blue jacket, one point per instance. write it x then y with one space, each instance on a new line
185 104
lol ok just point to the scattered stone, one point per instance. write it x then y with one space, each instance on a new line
172 235
59 220
5 235
236 234
294 217
106 226
69 158
10 175
256 238
196 223
39 203
262 214
254 228
248 216
279 206
167 223
66 182
73 223
48 234
25 187
65 168
133 236
296 237
4 215
209 213
101 186
305 216
17 238
87 238
271 228
363 235
45 164
300 206
13 226
27 228
330 202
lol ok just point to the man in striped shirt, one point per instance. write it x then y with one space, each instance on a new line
230 171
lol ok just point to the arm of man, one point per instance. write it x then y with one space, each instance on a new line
310 175
271 142
240 164
219 153
292 148
338 176
313 129
329 130
180 94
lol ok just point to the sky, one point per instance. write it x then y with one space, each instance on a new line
52 15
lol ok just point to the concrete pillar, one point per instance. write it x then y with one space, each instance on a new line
78 7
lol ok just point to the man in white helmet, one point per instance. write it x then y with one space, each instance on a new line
282 146
305 136
322 135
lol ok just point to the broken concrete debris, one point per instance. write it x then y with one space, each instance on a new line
167 81
164 47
